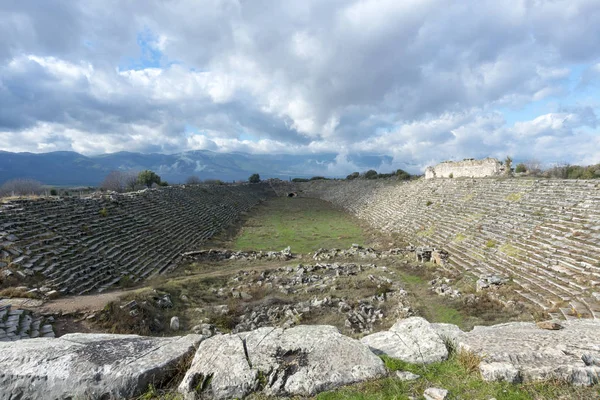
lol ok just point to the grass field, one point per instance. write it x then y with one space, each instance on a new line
302 223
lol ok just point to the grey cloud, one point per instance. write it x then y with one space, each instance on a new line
396 78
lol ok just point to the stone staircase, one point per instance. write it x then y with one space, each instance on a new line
545 234
22 324
80 245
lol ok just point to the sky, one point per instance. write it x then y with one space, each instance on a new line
420 81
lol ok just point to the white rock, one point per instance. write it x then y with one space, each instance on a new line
89 366
299 361
220 370
174 323
407 375
537 354
499 371
435 394
412 340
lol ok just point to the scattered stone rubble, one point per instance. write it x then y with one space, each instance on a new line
442 287
490 282
221 255
362 315
300 361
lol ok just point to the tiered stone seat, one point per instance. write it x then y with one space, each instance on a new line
22 324
89 244
543 233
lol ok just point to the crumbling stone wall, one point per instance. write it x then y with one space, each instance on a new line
544 234
89 244
466 168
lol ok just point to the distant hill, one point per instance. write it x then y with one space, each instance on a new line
67 168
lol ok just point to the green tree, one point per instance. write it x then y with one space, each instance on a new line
353 175
520 168
402 175
148 177
371 174
254 178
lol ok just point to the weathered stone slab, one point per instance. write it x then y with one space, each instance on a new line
412 340
300 361
521 351
89 365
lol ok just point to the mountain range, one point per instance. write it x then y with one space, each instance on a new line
66 168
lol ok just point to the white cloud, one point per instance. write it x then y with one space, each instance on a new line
420 81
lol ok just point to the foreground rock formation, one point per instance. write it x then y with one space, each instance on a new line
89 366
302 361
545 234
299 361
521 351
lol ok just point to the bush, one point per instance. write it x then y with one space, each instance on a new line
299 180
370 174
214 182
192 180
53 192
520 168
353 175
21 187
402 175
148 177
120 181
451 175
318 178
104 212
254 178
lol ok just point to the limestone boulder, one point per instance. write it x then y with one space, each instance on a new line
299 361
412 340
89 366
521 351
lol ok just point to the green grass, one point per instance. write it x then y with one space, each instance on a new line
302 223
458 380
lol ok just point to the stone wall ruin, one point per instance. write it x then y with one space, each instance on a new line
469 168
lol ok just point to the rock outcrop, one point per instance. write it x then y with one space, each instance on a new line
89 366
521 351
301 361
412 340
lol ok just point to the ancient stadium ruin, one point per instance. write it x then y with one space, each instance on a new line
529 246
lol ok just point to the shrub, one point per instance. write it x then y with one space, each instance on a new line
520 168
299 180
508 165
53 192
192 180
429 202
353 175
120 181
104 212
21 187
402 175
148 177
318 178
451 175
370 174
254 178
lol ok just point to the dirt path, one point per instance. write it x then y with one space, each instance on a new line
72 304
96 302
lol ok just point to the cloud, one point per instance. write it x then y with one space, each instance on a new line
419 81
